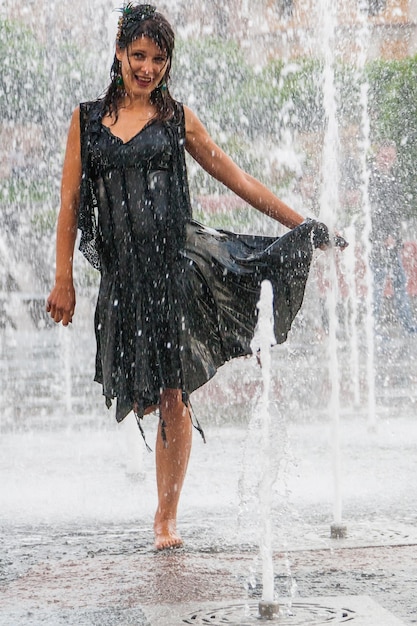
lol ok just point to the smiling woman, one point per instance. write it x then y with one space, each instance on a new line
176 299
144 47
142 71
143 65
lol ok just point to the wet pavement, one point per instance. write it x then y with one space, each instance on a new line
76 513
77 493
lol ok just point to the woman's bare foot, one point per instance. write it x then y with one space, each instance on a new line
166 535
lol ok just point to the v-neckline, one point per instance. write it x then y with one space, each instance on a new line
124 143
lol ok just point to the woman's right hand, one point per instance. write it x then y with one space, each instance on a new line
61 302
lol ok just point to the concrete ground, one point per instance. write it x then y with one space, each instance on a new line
76 513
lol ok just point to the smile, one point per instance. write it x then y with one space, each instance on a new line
144 81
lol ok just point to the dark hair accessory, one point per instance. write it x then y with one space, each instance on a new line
133 13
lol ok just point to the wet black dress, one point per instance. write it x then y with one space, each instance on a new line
176 299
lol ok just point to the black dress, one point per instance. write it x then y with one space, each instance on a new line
176 299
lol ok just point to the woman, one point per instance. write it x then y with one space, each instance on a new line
176 300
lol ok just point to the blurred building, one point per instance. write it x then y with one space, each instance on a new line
267 28
388 25
288 28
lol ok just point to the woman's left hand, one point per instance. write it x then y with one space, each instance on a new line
321 238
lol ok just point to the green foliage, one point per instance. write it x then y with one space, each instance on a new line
217 81
210 76
243 107
393 112
23 73
44 221
23 190
302 96
349 80
35 76
39 87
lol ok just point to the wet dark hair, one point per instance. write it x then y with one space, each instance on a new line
136 21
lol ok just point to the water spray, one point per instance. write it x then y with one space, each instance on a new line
329 202
263 339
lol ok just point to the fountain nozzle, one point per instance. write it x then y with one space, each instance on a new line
268 610
338 531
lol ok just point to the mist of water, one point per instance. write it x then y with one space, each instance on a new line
363 43
46 371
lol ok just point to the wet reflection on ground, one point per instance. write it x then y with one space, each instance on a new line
77 539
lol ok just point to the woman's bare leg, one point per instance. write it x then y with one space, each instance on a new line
171 466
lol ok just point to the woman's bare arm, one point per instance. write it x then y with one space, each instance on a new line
61 300
216 162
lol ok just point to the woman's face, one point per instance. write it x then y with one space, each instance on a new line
144 65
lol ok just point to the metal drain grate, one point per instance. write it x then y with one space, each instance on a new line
300 614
